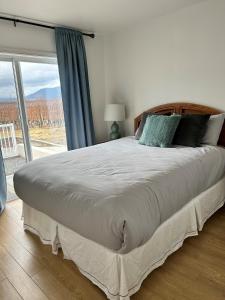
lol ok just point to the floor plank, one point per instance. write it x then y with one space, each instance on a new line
194 272
23 257
189 260
15 214
7 291
24 285
64 271
2 276
52 287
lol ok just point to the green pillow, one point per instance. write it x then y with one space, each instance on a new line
159 130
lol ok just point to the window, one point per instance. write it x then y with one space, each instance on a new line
31 111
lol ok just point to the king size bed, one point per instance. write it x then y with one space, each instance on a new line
119 209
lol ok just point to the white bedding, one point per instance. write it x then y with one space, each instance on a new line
121 275
118 193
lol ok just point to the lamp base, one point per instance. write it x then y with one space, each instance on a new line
115 131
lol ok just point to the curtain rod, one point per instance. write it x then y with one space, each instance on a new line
14 20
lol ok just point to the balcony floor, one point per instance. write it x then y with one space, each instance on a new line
13 163
10 188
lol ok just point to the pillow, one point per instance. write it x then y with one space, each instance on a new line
191 130
159 130
139 131
213 130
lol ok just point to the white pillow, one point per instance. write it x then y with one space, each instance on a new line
213 130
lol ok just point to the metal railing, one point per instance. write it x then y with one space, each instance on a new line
8 140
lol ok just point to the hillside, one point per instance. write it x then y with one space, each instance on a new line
45 93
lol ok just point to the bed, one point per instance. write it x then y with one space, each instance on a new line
114 208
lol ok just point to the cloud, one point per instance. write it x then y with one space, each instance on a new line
35 76
7 85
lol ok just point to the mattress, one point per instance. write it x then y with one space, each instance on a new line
118 193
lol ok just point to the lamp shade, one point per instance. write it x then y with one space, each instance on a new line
114 112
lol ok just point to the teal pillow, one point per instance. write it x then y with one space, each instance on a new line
159 130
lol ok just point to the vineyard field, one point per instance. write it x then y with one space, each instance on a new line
54 135
45 119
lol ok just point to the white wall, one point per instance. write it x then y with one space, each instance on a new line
34 40
178 57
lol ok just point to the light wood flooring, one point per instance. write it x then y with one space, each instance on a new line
28 269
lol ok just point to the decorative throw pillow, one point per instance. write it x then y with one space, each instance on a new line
213 130
139 131
191 130
159 130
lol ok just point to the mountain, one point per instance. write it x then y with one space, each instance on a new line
46 93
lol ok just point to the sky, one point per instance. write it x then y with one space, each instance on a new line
35 76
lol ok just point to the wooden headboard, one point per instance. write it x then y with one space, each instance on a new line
184 108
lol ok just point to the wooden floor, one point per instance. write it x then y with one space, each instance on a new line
28 269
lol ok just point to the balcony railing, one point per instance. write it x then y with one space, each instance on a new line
8 140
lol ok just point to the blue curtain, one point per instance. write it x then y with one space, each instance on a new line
3 194
73 74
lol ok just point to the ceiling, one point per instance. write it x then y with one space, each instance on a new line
99 16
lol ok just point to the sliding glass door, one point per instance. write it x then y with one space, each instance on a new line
43 103
11 129
31 112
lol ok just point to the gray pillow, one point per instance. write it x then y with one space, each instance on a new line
213 130
139 131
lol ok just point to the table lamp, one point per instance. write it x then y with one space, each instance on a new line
114 113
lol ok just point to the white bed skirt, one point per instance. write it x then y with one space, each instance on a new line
121 275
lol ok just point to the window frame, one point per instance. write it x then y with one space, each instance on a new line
15 59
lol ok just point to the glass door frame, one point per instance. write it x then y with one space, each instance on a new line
15 59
